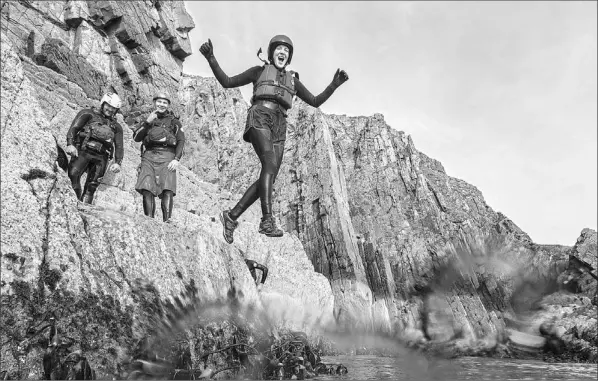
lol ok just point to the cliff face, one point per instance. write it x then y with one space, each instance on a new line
403 244
104 273
378 236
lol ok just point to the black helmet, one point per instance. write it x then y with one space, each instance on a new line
280 39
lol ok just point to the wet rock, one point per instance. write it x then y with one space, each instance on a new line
582 268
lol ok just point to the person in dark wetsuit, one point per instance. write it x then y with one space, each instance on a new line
273 92
163 143
91 139
253 265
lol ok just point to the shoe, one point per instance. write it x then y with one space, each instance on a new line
229 226
269 228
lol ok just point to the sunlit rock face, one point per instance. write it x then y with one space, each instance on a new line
105 273
378 236
403 244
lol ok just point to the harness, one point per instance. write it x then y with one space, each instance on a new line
161 128
94 144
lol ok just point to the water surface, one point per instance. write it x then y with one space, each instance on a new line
413 367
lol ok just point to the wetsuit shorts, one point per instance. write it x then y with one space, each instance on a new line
272 122
154 175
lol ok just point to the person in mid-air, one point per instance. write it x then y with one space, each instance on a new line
163 143
92 138
273 90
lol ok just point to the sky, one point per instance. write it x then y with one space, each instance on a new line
503 94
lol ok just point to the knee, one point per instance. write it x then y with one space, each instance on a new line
74 173
275 174
269 164
93 185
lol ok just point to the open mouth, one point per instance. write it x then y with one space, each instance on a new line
281 59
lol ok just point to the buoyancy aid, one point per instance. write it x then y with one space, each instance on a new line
160 128
98 134
276 85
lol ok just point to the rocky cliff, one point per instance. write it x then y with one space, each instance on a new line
103 277
378 236
407 248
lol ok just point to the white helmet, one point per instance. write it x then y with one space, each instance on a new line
112 99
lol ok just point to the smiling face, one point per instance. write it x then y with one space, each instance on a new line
161 105
108 110
280 56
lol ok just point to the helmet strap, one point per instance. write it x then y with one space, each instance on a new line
261 59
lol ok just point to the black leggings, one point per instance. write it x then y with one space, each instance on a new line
149 204
95 165
270 156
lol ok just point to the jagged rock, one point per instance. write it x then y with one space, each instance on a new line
397 245
94 47
378 218
125 49
56 55
564 324
84 263
175 24
354 185
38 19
75 12
580 276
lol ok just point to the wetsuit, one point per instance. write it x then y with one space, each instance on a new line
253 265
266 130
155 179
95 136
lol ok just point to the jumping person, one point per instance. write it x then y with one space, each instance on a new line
273 92
91 139
163 142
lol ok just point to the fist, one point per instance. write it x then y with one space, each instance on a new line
71 150
173 165
115 168
151 117
340 77
207 49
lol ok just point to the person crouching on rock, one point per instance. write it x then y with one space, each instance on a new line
91 140
163 142
273 90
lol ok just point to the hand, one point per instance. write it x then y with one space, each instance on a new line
71 150
115 168
120 118
340 77
151 117
207 49
173 165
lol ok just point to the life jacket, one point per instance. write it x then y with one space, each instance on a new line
98 134
162 127
276 85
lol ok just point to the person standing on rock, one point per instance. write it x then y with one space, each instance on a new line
91 140
274 88
163 143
